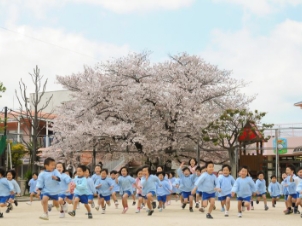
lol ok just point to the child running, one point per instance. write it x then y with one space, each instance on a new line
10 175
126 187
148 183
116 187
261 189
244 187
104 185
291 188
81 191
6 189
175 185
163 188
91 188
139 191
48 185
226 182
32 188
274 190
64 183
209 185
284 190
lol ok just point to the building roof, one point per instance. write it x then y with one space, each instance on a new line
299 104
12 115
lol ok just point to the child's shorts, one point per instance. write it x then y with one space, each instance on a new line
294 196
129 193
90 197
207 196
149 192
186 194
63 196
83 198
162 198
51 197
3 199
246 199
260 195
222 198
105 197
199 193
274 197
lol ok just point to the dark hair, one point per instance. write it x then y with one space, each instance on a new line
162 168
273 176
227 166
198 168
292 168
35 173
113 172
185 168
12 172
83 167
2 172
244 167
48 160
159 173
69 172
104 170
98 166
195 160
172 173
89 171
138 170
202 168
148 168
63 165
209 163
300 168
124 167
259 173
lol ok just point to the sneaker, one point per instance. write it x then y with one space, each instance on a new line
28 203
16 202
154 205
201 209
7 210
72 213
116 204
266 208
191 209
137 211
10 206
62 214
143 207
160 210
273 206
239 215
209 216
197 205
222 210
125 210
150 212
44 216
226 213
92 204
1 215
287 212
89 215
49 207
97 208
103 211
134 203
183 205
65 208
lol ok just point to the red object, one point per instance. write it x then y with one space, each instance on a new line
250 132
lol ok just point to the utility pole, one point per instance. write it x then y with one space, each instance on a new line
277 153
4 134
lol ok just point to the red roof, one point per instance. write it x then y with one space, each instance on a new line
250 132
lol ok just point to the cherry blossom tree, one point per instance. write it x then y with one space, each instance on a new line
146 108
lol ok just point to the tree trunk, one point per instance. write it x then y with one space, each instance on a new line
232 157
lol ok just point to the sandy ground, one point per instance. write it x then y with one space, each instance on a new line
173 215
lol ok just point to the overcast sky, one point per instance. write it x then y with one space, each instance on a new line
259 40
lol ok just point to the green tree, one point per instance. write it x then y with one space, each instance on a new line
2 88
18 152
224 131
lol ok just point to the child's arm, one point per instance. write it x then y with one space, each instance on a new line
235 188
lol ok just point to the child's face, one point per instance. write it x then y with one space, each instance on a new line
97 169
289 171
300 173
124 172
159 169
284 176
60 168
80 172
103 174
210 168
204 170
225 171
87 174
198 173
192 162
51 166
243 172
187 172
145 172
160 177
113 176
9 176
274 180
220 172
35 177
260 176
140 174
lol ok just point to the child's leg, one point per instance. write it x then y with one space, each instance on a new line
87 208
191 200
102 202
160 204
139 203
239 206
264 199
114 196
31 196
75 203
273 202
44 203
149 201
212 204
222 203
108 202
204 203
289 202
61 202
227 203
125 200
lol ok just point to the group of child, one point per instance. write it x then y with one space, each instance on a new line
194 183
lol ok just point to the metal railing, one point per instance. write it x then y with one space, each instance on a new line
115 164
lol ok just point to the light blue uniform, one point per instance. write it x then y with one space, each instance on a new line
274 189
32 185
186 182
244 187
64 182
225 185
17 188
81 186
116 187
261 187
5 188
149 185
47 185
207 183
126 184
91 186
105 183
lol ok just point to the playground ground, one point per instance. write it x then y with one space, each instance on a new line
173 215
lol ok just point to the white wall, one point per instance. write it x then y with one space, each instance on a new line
58 98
